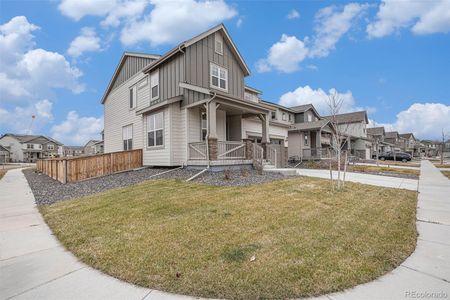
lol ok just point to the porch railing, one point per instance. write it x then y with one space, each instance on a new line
315 153
272 155
197 150
230 150
258 156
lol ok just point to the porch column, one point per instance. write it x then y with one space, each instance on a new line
319 143
212 130
264 133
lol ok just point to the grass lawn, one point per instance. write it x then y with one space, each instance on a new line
446 173
2 173
197 240
399 163
382 169
442 166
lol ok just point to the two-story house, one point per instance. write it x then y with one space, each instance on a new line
353 131
310 136
71 151
377 135
189 106
29 148
409 144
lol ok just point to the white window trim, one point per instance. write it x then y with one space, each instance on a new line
154 74
154 130
134 97
284 117
211 77
123 137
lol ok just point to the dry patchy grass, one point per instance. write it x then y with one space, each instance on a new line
2 173
446 173
381 169
196 239
399 163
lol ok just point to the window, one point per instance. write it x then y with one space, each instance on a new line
50 147
284 117
127 137
154 85
219 77
155 130
273 115
218 45
30 146
306 140
132 97
309 117
204 126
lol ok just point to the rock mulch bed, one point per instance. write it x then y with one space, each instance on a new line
46 190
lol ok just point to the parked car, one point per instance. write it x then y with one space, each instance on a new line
402 156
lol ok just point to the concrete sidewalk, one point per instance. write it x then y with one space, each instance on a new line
33 265
427 270
378 180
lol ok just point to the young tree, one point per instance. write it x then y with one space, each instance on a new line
339 138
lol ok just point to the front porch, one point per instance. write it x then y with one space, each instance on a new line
216 135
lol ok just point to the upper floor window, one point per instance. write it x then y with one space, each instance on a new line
290 117
284 117
309 117
154 85
273 115
30 146
204 126
132 97
155 129
218 44
219 77
50 147
127 137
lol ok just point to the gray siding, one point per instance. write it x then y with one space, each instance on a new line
171 74
198 58
131 66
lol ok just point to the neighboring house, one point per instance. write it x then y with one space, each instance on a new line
70 151
409 144
4 155
93 147
310 136
190 105
430 148
353 128
378 138
392 137
29 148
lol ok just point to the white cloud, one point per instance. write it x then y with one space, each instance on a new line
76 130
31 72
125 10
318 98
421 17
87 41
19 119
174 21
239 22
331 25
293 14
284 56
77 9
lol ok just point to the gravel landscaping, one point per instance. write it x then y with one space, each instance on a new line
46 190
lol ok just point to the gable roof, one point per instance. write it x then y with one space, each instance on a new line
376 131
352 117
275 105
92 142
194 40
304 108
391 135
119 66
25 138
3 149
253 90
407 135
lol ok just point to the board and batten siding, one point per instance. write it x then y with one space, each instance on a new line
117 114
198 58
130 67
171 73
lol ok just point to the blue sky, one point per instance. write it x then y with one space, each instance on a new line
390 58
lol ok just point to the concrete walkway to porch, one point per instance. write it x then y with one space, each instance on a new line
378 180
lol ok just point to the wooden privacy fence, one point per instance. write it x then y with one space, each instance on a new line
72 169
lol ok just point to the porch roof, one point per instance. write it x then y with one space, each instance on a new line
307 126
